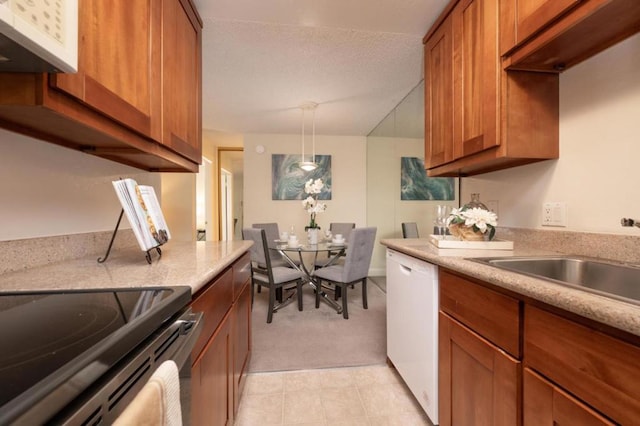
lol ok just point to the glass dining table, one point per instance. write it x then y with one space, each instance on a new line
334 251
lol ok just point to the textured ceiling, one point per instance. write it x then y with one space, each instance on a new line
263 59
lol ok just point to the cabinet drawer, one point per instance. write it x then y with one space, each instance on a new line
493 315
214 302
241 273
599 369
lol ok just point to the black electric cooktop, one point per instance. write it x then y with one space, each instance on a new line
49 337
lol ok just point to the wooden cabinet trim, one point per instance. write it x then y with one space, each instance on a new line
579 34
241 274
546 12
547 404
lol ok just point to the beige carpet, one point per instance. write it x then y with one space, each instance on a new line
319 338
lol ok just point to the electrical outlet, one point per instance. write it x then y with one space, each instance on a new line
554 214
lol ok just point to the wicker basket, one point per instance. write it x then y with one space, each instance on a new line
465 233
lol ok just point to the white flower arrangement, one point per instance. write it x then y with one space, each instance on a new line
480 220
311 204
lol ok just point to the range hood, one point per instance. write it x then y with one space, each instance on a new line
38 35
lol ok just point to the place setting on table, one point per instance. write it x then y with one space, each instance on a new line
328 241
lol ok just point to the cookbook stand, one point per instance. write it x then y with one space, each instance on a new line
113 237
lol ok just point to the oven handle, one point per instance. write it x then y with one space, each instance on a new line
190 324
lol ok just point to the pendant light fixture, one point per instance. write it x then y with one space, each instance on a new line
309 165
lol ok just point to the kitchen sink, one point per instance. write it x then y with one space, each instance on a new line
609 279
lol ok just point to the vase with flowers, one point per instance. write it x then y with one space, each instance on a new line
313 188
472 221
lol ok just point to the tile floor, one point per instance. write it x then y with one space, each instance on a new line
353 396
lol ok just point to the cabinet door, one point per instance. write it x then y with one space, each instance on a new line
546 404
181 102
438 65
118 63
212 380
478 383
242 342
476 86
533 15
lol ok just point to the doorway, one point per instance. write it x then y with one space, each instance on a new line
204 210
230 193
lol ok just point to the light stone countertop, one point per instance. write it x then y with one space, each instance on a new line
190 264
615 313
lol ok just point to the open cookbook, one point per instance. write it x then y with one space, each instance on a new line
141 207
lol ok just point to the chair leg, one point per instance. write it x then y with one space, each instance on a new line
337 292
272 302
299 291
364 294
345 313
279 293
318 291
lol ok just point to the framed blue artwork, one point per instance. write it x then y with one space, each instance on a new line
415 185
288 179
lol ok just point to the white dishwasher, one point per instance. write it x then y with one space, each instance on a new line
412 326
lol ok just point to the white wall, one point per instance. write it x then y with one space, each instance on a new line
597 173
348 175
47 190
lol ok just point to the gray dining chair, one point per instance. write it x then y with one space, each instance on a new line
355 268
410 230
272 277
335 228
273 233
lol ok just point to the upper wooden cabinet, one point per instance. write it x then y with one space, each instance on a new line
181 79
553 35
438 65
498 119
126 103
124 86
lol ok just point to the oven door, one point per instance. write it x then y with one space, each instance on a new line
120 386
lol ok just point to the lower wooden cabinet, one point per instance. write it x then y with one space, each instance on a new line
598 369
506 360
212 380
221 358
242 342
545 404
479 383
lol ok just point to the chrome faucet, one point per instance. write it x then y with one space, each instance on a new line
629 222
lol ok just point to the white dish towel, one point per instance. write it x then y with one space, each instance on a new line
158 402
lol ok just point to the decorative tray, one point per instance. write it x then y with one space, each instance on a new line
447 241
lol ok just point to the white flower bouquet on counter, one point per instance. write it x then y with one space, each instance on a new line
472 223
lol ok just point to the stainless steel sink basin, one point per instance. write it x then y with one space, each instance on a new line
608 279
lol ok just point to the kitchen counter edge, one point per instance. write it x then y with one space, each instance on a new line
191 264
612 312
